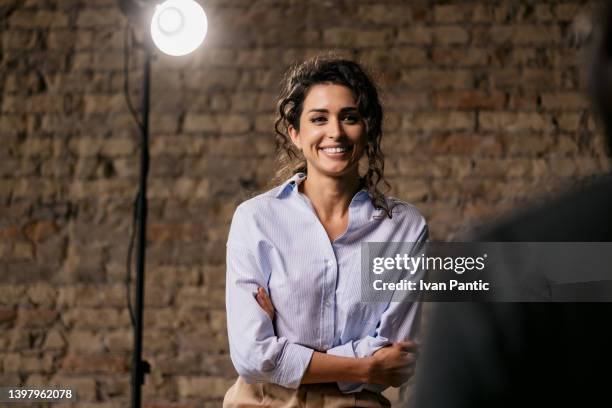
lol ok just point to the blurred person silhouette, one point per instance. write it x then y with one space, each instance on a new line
522 354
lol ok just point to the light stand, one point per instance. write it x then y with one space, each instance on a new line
139 366
178 27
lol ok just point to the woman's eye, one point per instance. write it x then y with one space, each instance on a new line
318 119
351 118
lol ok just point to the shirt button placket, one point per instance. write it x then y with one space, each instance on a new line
329 304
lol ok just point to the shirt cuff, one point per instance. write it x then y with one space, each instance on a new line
292 365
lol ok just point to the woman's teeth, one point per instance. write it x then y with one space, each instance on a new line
336 149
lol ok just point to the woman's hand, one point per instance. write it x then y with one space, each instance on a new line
265 303
393 365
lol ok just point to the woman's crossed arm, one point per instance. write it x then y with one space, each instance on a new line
392 365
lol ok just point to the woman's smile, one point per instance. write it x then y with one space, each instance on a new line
337 152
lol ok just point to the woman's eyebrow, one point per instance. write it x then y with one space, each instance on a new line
345 109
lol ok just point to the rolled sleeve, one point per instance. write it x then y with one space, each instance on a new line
256 352
292 365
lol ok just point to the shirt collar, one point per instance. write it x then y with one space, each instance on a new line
290 184
298 178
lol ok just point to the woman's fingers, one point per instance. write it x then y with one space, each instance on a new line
410 358
264 301
408 345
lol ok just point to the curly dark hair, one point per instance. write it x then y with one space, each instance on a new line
328 70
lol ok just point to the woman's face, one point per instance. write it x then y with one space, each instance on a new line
332 133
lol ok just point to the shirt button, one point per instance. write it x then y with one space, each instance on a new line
330 263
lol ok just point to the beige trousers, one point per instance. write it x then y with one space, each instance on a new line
243 395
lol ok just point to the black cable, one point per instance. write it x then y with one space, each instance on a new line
128 34
128 277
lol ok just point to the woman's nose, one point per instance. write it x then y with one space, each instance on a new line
335 129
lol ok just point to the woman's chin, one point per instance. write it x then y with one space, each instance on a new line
338 171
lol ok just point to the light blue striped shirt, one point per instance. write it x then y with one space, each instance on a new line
277 242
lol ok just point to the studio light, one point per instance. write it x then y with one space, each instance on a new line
178 27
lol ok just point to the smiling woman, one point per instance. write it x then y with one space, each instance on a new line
364 108
299 334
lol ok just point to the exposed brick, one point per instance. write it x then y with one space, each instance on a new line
438 121
42 294
85 388
217 123
14 123
527 79
511 122
61 39
460 57
11 363
178 145
566 11
437 79
119 340
517 34
413 191
85 364
40 230
100 18
468 144
452 13
38 19
19 40
527 145
385 14
406 56
483 13
450 35
357 38
85 341
199 296
544 12
416 34
90 295
568 121
7 316
101 188
104 103
214 276
95 318
11 294
48 103
54 340
36 317
565 101
470 100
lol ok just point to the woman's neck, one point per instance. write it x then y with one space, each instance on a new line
330 196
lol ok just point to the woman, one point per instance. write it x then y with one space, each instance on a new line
300 242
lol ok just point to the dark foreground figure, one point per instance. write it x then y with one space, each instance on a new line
532 354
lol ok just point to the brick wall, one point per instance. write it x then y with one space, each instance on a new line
484 107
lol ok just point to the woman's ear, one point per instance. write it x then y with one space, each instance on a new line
295 136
